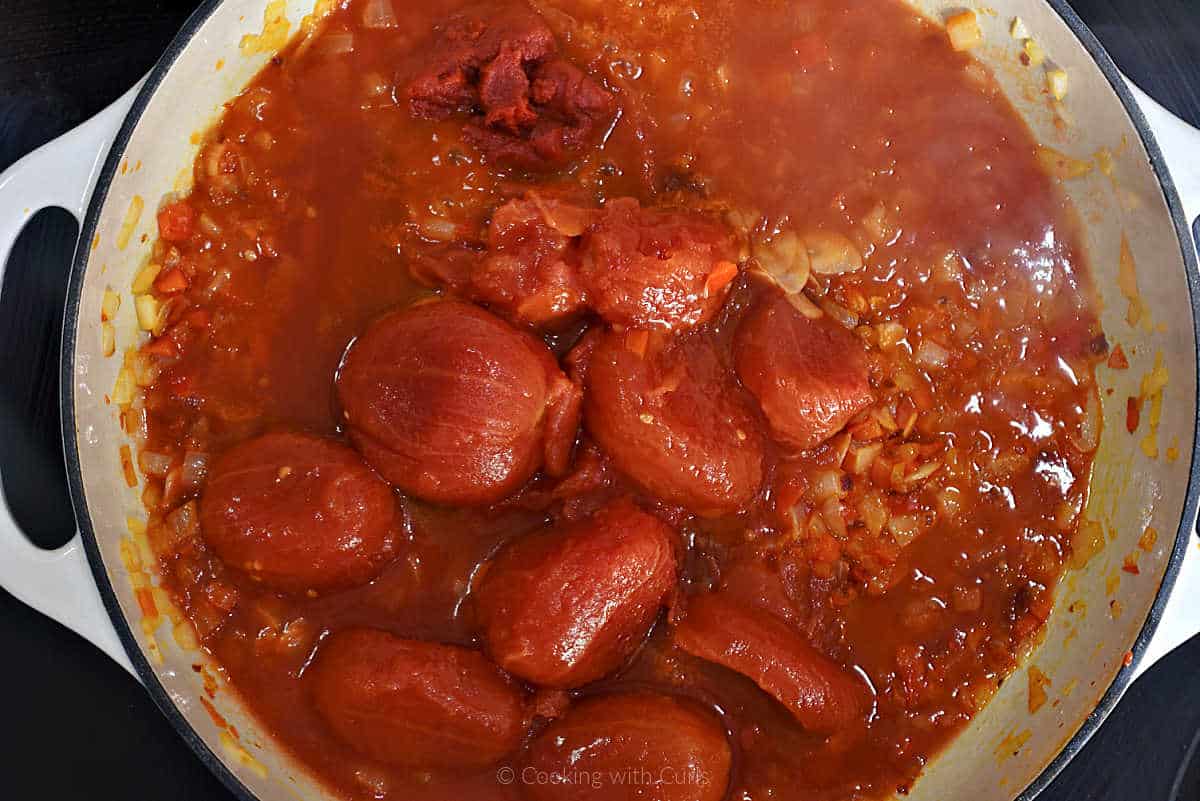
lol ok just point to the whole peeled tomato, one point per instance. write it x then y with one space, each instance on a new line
299 512
567 606
662 269
821 694
416 704
643 746
454 405
809 376
530 274
673 419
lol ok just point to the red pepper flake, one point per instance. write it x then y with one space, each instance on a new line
1117 359
1130 564
1133 414
1128 659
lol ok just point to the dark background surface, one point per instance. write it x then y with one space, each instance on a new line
76 726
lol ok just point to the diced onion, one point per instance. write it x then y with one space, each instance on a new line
1088 541
832 253
185 635
145 369
874 513
890 334
220 278
154 464
831 514
379 14
931 354
1056 81
109 305
208 225
923 472
827 484
949 502
786 260
336 43
860 459
1034 52
964 31
838 312
148 308
802 304
183 526
144 280
904 529
195 469
439 230
949 268
1089 426
108 339
964 329
212 162
124 388
880 224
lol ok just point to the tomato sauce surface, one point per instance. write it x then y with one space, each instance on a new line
917 548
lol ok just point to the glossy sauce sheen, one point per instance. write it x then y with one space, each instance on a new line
911 555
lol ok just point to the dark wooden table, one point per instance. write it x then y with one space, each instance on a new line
75 726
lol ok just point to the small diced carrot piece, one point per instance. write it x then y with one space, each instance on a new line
176 221
171 281
719 278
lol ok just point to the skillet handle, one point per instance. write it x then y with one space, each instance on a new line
1180 144
62 174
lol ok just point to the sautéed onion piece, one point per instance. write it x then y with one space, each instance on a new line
379 14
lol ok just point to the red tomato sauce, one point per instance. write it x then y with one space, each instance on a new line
941 348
